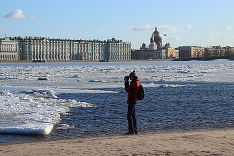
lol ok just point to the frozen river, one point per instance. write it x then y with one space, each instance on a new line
88 99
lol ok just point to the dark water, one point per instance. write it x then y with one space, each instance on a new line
188 106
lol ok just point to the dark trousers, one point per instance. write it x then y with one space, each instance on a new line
131 116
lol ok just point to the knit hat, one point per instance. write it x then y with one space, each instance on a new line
133 74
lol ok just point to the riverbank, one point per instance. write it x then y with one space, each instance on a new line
83 61
209 142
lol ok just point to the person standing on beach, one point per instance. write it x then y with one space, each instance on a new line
132 89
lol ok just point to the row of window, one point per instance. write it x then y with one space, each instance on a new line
56 57
8 57
120 58
8 45
49 58
8 49
90 51
79 45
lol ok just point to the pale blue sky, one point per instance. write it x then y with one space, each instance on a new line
186 22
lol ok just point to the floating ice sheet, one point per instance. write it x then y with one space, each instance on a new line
33 112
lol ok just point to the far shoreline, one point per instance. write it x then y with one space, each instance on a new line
90 61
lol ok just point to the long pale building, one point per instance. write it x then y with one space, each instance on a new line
45 49
9 50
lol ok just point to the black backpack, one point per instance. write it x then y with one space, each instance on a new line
141 93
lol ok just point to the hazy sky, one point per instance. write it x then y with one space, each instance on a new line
186 22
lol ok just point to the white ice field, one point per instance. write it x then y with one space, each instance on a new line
31 106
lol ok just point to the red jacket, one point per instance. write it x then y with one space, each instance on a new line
132 89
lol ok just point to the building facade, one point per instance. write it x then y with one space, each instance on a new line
191 52
169 52
215 52
45 49
155 51
230 52
146 54
116 50
9 50
42 49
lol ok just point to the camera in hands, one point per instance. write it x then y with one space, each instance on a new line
126 78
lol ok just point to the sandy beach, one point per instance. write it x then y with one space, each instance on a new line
209 142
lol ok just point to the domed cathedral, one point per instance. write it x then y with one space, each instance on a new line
155 51
155 40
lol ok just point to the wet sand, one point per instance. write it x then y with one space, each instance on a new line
209 142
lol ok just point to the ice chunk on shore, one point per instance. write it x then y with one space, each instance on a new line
32 129
31 113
